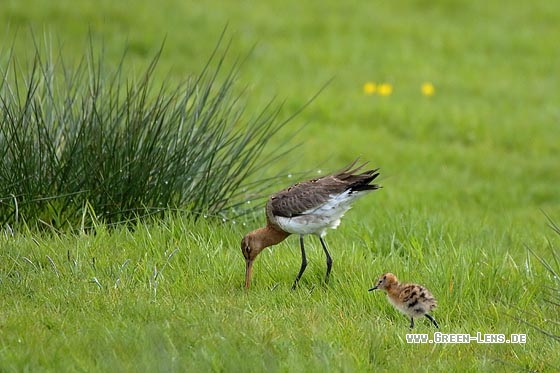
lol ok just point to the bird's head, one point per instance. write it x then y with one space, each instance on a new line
385 281
256 241
251 246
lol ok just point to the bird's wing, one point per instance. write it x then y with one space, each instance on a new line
407 293
305 196
312 194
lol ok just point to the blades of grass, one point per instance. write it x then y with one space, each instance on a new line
128 148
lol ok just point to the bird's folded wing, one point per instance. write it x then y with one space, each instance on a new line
303 197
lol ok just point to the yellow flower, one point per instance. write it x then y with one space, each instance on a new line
369 88
428 89
385 89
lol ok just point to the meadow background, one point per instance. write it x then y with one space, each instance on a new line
467 174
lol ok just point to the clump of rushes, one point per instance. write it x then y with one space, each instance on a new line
87 142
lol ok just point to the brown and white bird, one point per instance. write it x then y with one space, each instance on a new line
411 299
309 207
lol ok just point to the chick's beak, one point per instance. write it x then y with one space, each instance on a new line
373 288
248 271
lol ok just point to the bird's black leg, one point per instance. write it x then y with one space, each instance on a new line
303 262
329 259
412 323
432 320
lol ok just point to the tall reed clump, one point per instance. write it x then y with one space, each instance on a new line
89 142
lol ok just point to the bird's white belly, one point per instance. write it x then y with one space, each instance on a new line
307 224
318 220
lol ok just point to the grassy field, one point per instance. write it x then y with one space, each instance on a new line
466 173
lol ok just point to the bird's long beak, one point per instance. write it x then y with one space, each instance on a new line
373 288
248 271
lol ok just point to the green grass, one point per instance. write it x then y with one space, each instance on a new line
170 297
466 174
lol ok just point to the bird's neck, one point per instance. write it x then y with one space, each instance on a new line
393 289
269 235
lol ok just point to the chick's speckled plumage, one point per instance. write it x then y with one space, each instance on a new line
411 299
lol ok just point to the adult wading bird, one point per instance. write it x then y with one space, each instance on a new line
309 207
